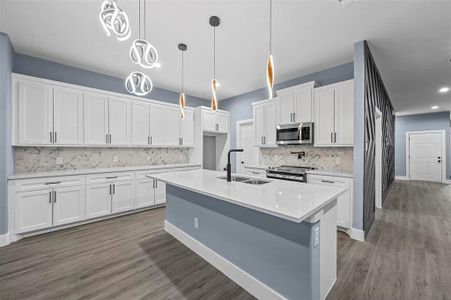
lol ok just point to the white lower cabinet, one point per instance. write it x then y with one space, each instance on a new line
344 202
44 203
98 200
68 205
123 197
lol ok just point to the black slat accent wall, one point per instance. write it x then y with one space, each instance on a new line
376 96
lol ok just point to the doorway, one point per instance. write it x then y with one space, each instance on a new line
245 140
426 155
378 159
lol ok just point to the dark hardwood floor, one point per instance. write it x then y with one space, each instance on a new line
407 256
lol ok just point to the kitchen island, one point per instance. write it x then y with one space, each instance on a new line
276 239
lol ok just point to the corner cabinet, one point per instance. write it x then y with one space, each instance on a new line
50 113
265 122
295 104
334 115
215 122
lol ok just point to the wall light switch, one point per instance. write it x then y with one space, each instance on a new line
196 223
115 158
59 160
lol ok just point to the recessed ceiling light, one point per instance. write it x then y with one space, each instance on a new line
434 107
444 89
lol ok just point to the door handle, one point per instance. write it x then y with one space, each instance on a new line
54 196
53 182
331 137
106 139
111 177
111 192
156 183
327 181
153 183
335 137
294 117
55 139
51 137
150 140
50 197
114 189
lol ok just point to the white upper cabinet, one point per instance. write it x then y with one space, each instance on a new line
68 117
49 113
334 115
344 116
295 104
34 105
96 119
172 126
187 128
157 124
119 121
140 123
215 122
265 122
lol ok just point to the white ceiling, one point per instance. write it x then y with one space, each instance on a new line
410 40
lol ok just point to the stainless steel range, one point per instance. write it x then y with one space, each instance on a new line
293 173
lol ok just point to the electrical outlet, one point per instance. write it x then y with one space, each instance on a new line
115 158
148 157
338 160
316 237
196 223
59 160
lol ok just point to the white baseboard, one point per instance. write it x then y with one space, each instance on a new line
4 240
242 278
401 178
355 234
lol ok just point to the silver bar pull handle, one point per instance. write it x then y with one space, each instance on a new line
111 177
331 137
51 137
50 197
335 137
151 140
106 139
111 189
52 182
114 189
55 139
156 183
327 181
54 196
294 117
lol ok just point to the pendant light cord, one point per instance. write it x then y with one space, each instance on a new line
183 71
214 52
270 26
145 21
139 19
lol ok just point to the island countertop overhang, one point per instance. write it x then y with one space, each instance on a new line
292 201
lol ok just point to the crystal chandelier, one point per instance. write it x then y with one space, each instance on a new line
115 20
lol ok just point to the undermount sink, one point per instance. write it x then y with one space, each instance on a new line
245 179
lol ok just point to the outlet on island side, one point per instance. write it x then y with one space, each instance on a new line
115 158
59 160
196 223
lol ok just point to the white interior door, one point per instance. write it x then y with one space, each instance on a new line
426 156
68 116
250 154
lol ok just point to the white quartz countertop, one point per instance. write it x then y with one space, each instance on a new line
292 201
101 170
330 173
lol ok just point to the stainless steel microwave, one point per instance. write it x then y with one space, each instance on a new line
295 133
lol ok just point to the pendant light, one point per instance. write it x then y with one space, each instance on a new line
142 52
270 63
182 47
138 83
115 20
214 22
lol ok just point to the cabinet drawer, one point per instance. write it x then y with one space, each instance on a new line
109 177
327 180
48 182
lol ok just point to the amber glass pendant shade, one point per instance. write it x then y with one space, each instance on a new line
182 106
270 75
214 100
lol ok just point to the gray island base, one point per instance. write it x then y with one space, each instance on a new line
269 256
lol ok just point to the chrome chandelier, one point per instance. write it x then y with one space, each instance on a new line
138 83
114 20
142 52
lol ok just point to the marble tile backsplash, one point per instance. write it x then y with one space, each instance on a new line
330 159
42 159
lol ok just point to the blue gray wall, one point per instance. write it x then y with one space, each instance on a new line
33 66
432 121
6 153
275 251
240 106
